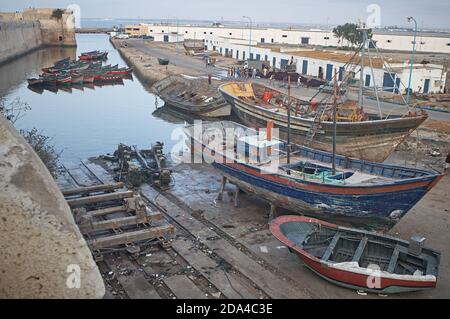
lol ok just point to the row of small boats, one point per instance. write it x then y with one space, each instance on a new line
67 71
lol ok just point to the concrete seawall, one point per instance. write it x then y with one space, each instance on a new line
41 249
18 38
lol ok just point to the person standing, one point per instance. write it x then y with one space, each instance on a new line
254 73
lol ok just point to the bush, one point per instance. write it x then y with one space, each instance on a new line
57 13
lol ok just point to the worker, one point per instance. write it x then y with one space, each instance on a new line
292 60
209 79
253 73
265 72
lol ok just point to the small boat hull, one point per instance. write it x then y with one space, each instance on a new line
163 61
329 261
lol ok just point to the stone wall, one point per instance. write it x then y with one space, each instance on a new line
21 32
41 249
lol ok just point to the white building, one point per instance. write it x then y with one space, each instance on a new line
427 78
426 42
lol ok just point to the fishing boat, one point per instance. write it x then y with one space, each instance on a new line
110 78
121 71
359 134
163 61
359 259
194 96
35 81
76 78
303 179
63 79
88 78
93 55
194 47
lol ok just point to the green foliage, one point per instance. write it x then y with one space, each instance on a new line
350 33
57 13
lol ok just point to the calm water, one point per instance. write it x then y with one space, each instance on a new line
88 122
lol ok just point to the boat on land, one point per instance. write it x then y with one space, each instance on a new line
194 47
193 96
163 61
359 259
374 194
359 134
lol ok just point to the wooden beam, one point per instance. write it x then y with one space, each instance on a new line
99 198
130 237
106 211
88 226
92 189
359 251
331 247
394 259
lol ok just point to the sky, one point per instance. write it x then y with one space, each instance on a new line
429 14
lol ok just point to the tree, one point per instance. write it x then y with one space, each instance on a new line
349 32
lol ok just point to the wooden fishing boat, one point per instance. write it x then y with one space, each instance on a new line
163 61
63 79
358 191
194 47
359 259
93 55
110 78
361 135
121 71
76 78
194 96
35 81
88 78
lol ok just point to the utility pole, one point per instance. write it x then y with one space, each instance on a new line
363 29
250 40
408 93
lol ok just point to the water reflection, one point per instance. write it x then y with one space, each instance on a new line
86 120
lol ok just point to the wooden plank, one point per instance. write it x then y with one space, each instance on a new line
331 247
106 211
224 282
92 189
135 285
272 284
86 224
359 251
99 198
393 261
130 237
183 288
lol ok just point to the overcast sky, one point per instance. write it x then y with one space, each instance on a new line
430 14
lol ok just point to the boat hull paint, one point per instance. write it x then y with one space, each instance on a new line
344 278
370 140
386 207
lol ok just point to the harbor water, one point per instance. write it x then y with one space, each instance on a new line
87 121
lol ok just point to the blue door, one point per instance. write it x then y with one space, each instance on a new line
274 63
397 85
341 73
266 58
226 51
305 67
258 57
388 82
329 72
367 83
284 63
251 56
243 55
426 87
237 54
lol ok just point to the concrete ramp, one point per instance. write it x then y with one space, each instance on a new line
42 253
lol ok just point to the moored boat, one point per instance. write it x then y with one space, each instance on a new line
93 55
35 81
374 194
76 78
359 134
163 61
359 259
194 96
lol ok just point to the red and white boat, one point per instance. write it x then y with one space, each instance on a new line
121 71
359 259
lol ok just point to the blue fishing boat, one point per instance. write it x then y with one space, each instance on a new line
358 190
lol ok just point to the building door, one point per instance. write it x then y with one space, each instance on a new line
341 73
305 41
284 63
388 82
166 38
226 51
329 72
397 85
263 40
367 83
426 87
251 56
320 75
266 58
243 55
305 67
274 63
258 57
237 54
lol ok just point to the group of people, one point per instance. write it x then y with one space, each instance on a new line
241 73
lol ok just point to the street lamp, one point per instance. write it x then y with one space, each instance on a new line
250 40
412 58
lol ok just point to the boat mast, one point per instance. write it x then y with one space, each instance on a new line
334 120
289 123
363 29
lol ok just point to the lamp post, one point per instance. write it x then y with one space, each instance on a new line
408 93
250 40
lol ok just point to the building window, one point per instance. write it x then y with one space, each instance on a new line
210 33
389 41
448 44
162 31
230 33
304 40
272 40
263 40
422 43
326 38
204 32
284 35
151 30
185 32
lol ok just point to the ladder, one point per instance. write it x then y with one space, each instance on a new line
315 126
